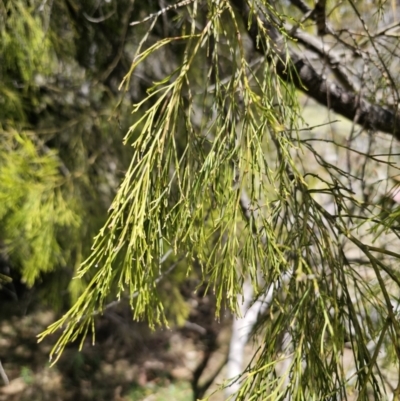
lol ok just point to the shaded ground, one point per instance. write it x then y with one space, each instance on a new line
128 362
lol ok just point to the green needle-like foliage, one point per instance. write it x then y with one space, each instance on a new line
176 194
223 171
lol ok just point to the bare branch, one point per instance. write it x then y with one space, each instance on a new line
292 67
320 19
301 6
333 58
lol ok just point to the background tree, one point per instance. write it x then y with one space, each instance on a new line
225 178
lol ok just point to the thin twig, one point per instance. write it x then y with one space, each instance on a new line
100 19
163 11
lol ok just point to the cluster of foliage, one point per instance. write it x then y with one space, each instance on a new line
62 155
220 174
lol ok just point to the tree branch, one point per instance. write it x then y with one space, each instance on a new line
320 18
292 67
301 6
317 46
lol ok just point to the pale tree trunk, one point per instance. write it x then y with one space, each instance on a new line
242 327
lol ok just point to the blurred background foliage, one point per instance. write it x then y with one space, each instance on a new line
62 158
61 153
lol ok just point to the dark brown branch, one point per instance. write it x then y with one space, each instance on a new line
292 67
348 104
211 345
320 18
301 6
318 14
316 45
